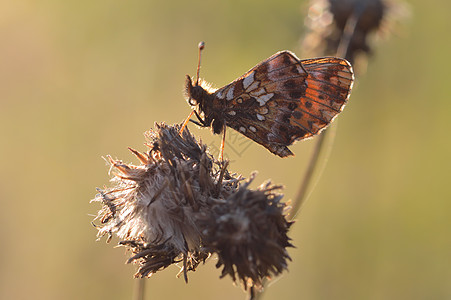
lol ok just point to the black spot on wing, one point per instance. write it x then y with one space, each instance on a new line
286 118
290 84
297 114
297 94
292 106
287 60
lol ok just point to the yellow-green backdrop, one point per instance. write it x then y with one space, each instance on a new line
82 79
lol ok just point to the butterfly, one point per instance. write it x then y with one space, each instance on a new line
279 101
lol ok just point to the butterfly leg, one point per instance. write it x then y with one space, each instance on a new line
186 122
197 123
202 122
221 154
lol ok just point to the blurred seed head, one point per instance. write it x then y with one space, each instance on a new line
180 205
343 27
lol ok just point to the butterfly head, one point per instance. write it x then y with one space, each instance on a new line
197 92
194 92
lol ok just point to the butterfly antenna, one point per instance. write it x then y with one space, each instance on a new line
201 47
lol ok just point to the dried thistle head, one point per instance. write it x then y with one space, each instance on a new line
248 232
343 27
177 206
152 207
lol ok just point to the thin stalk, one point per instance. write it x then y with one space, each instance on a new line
138 291
308 176
342 51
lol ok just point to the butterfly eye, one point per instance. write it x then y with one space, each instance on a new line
192 102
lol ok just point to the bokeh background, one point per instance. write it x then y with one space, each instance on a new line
82 79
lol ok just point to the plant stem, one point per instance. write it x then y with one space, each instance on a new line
342 51
138 293
300 197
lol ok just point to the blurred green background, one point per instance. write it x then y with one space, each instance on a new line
82 79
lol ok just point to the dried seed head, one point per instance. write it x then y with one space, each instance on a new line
178 206
342 27
152 207
248 232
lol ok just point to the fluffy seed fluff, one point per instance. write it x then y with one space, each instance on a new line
181 205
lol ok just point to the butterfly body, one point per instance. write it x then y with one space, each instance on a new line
277 102
208 105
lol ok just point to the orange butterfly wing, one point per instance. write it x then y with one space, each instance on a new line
284 99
